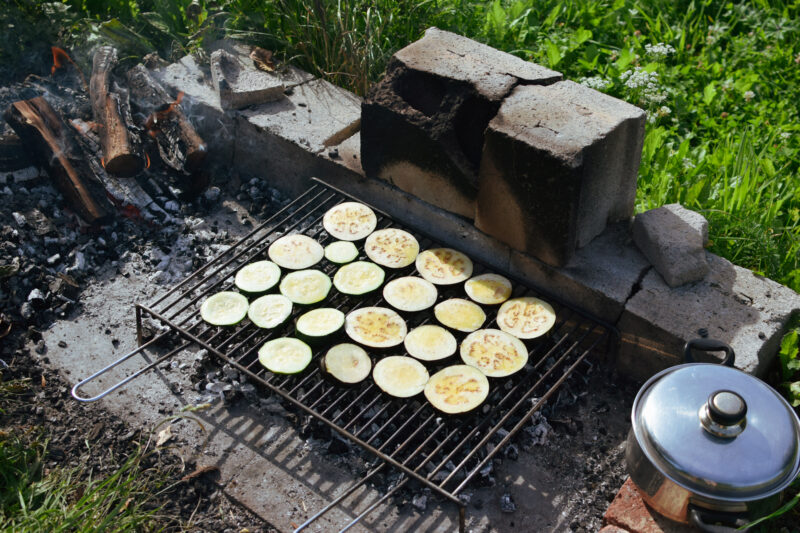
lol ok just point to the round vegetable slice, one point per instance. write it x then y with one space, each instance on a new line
224 308
295 252
400 376
256 277
488 289
457 389
269 311
526 318
341 252
430 343
460 314
350 221
360 277
410 293
319 323
495 353
286 355
444 266
306 286
392 247
347 362
377 327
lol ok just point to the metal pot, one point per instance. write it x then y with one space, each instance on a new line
710 444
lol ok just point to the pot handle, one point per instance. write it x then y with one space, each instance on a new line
708 345
701 518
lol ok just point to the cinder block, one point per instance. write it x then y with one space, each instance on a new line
672 238
559 163
240 84
423 124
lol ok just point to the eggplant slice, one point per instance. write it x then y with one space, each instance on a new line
341 252
347 363
224 308
350 221
286 355
460 314
526 318
400 376
269 311
257 277
392 247
430 343
377 327
319 324
495 353
295 252
306 286
488 289
444 266
457 389
410 293
358 278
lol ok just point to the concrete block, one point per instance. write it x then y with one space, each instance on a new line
749 312
423 124
559 163
240 84
672 238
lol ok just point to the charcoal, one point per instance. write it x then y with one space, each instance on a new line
507 504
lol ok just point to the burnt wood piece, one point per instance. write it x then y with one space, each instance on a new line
53 144
179 145
121 146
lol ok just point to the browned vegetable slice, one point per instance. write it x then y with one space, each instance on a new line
457 389
526 318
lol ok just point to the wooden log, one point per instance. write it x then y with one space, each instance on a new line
53 144
179 145
121 146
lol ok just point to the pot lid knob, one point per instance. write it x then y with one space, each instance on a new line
724 413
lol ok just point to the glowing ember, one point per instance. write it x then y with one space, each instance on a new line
60 59
147 161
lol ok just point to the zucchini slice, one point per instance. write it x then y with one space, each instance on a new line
444 266
347 363
430 343
295 252
286 355
410 293
400 376
341 252
319 324
270 311
306 286
460 314
357 278
392 247
457 389
350 221
224 308
526 318
257 277
377 327
495 353
488 289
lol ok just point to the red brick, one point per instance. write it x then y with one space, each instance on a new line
629 512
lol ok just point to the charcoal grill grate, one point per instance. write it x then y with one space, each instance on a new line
442 453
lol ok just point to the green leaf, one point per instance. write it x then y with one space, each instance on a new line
794 393
125 38
582 35
788 354
553 53
626 56
709 93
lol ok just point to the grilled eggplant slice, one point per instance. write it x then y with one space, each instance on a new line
457 389
257 277
358 278
269 311
444 266
526 318
410 293
295 252
392 247
319 324
306 286
350 221
341 252
377 327
286 355
430 343
460 314
495 353
224 308
347 363
488 289
400 376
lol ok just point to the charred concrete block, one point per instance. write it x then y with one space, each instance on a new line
673 239
423 124
240 84
559 164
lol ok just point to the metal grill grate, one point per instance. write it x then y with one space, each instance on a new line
440 452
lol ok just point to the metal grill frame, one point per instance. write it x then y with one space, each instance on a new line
408 438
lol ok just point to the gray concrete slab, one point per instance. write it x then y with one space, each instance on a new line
241 84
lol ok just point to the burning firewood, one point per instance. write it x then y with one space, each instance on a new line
48 137
121 146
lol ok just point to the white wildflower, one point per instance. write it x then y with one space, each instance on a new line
614 55
633 12
687 163
646 83
663 111
749 95
785 135
595 82
659 51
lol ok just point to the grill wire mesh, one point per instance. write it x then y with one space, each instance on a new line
441 452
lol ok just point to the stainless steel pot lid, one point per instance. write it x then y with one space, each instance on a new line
717 431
